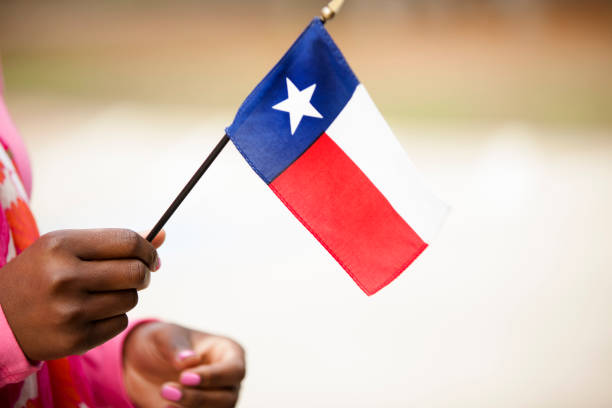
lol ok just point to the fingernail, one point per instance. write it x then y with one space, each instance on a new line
190 379
157 264
171 393
185 354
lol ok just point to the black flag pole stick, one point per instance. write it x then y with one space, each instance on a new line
188 187
327 13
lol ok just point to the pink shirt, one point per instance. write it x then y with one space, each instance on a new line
92 380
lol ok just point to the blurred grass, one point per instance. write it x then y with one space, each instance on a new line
469 64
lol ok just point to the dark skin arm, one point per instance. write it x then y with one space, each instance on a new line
70 290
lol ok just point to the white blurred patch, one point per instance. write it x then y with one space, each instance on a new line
507 174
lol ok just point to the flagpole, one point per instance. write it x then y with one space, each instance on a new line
327 13
188 187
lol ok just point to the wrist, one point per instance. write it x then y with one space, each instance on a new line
14 365
133 337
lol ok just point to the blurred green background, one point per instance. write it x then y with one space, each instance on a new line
547 62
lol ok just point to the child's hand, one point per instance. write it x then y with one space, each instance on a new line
69 291
166 365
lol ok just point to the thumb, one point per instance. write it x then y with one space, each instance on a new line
158 240
180 348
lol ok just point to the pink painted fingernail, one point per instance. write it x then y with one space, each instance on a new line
185 354
171 393
190 378
157 264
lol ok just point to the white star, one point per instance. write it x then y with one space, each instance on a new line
298 104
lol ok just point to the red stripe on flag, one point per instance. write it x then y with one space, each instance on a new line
344 210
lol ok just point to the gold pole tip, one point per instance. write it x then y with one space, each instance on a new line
328 12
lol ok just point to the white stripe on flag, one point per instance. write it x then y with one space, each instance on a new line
363 134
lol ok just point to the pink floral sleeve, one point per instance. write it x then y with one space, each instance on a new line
14 366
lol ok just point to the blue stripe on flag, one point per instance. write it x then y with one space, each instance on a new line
263 134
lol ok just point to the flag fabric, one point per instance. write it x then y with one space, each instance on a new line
312 133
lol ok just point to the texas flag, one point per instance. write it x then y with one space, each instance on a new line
312 133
